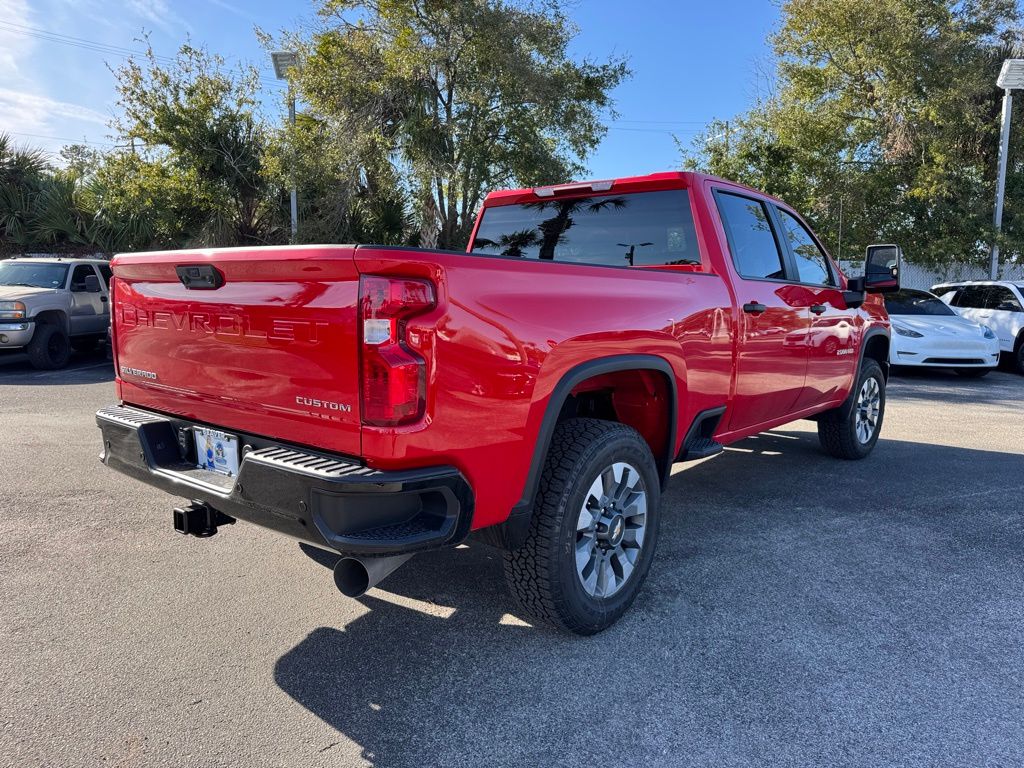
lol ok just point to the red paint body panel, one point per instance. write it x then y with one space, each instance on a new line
282 326
504 333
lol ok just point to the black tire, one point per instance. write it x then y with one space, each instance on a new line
50 348
1018 357
837 429
972 373
542 574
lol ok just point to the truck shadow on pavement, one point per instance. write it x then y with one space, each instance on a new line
801 610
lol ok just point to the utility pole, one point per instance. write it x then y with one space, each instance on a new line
840 228
295 192
1004 148
1011 77
283 61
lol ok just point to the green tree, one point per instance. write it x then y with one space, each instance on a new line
23 174
456 97
884 119
337 201
197 120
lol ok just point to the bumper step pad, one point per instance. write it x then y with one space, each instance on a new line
329 501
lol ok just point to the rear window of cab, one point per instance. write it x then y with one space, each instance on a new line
638 229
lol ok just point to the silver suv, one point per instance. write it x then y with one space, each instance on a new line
50 305
999 304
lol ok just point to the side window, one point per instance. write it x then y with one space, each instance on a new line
755 252
78 276
1000 297
811 264
972 296
107 273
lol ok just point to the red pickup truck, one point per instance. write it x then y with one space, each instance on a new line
534 391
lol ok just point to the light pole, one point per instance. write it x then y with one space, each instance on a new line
632 250
1011 77
283 61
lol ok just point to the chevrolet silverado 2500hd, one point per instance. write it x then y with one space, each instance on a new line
534 391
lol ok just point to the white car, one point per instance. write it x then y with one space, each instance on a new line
993 303
927 333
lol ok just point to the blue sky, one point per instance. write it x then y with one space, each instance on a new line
692 62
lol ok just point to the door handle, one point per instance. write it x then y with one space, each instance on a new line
754 308
818 308
103 299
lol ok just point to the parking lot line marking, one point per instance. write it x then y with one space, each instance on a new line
50 374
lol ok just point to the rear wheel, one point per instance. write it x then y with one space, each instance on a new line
50 348
972 373
594 528
1018 357
851 430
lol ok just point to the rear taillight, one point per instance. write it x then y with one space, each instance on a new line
394 374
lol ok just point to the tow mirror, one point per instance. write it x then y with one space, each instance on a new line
882 266
92 284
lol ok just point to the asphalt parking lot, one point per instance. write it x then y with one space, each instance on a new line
802 611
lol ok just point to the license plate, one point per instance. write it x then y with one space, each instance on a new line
216 451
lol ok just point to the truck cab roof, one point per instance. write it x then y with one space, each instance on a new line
648 183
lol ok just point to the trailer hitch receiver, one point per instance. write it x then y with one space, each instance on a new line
199 519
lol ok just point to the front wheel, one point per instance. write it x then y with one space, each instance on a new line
851 430
50 348
594 528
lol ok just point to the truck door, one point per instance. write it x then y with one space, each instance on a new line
89 311
832 336
773 324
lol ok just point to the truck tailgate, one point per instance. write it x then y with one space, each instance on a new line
272 350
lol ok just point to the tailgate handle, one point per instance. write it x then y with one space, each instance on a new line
200 277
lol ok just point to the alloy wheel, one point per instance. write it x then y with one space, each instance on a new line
610 530
869 406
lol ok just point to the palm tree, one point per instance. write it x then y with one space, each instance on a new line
22 175
553 229
511 243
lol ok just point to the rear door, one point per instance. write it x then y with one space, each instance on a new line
772 359
971 301
832 336
1003 314
270 349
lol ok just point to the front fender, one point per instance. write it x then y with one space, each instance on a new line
34 309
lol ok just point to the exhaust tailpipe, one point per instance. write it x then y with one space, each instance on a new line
354 576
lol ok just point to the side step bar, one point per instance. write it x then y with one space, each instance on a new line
700 442
702 448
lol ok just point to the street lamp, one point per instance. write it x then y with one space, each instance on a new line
283 61
632 249
1011 77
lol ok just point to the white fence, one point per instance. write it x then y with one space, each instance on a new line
923 278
